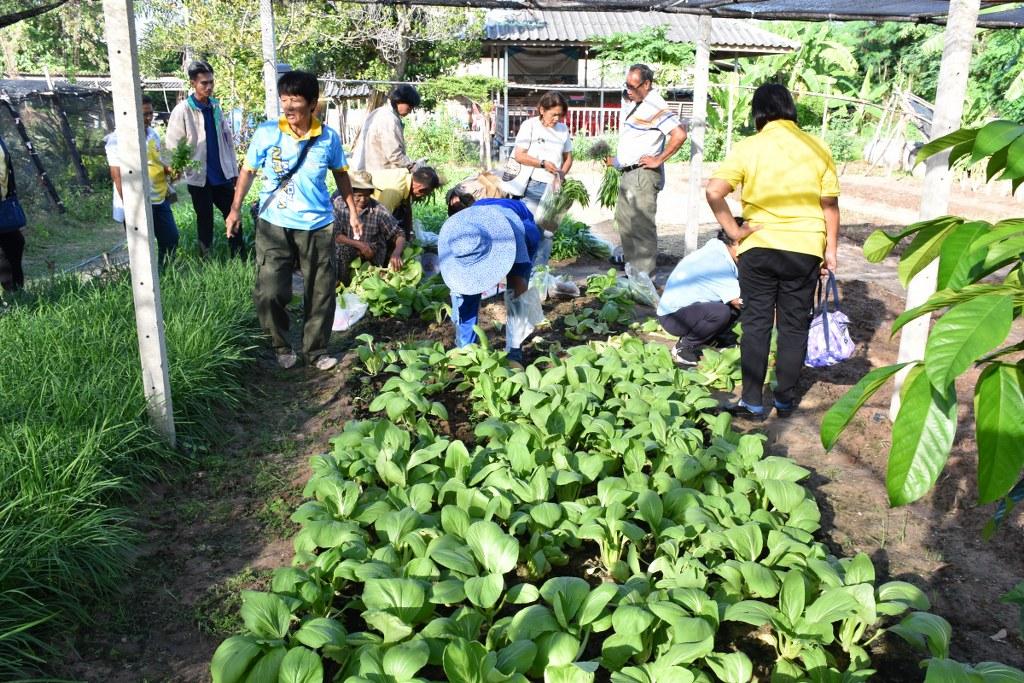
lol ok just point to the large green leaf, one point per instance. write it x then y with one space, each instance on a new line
760 580
944 142
994 672
957 261
233 658
921 438
963 334
448 551
993 137
484 591
833 605
404 660
403 598
517 657
266 615
576 672
493 548
925 630
785 496
268 667
301 666
747 541
554 649
734 667
950 297
923 249
566 595
463 661
753 612
843 410
1014 163
999 427
316 633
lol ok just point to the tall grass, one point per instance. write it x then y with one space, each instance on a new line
74 442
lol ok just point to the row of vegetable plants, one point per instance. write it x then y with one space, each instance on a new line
602 522
75 440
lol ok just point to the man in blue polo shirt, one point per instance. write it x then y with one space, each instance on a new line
295 214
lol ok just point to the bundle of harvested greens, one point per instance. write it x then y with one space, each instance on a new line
557 200
181 158
609 190
608 193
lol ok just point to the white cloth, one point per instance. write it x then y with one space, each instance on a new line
644 131
114 160
546 144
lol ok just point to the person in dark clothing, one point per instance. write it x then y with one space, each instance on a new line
199 121
12 220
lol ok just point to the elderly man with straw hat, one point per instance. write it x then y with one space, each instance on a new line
478 246
382 234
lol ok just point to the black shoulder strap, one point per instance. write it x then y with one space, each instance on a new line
290 173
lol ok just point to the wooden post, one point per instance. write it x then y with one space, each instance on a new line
824 116
504 130
949 106
698 123
119 16
734 84
269 59
69 138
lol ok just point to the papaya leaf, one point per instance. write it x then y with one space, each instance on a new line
840 414
999 427
921 438
965 333
945 142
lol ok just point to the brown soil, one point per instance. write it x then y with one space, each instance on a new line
222 525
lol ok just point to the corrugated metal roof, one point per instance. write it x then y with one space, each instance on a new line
529 26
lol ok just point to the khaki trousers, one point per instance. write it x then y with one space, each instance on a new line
634 215
277 251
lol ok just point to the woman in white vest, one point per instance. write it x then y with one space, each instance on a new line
545 145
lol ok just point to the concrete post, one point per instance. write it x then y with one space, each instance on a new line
119 16
949 107
698 124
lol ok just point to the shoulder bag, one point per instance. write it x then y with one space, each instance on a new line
828 340
12 216
516 176
257 208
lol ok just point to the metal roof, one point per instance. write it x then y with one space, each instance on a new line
547 26
917 11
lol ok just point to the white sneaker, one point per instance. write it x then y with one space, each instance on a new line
325 362
287 360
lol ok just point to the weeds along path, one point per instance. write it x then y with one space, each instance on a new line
75 443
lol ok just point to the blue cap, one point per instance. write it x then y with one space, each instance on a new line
477 247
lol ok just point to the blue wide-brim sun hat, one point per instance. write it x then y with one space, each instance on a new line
476 248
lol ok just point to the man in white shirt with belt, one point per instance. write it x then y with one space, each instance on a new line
649 135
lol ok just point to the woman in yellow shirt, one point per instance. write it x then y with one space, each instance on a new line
790 197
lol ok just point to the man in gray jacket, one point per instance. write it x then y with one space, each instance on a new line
381 143
199 121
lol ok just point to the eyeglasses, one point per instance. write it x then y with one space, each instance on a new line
634 87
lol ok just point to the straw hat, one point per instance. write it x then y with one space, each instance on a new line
477 247
361 180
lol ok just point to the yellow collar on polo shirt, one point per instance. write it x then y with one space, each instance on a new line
314 129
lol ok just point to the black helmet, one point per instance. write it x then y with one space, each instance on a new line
404 94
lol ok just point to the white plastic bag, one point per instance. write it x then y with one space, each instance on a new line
544 249
424 237
347 315
641 287
523 313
